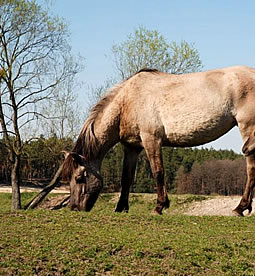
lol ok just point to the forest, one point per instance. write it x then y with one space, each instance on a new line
187 170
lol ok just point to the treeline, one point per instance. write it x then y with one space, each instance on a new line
223 177
187 170
39 161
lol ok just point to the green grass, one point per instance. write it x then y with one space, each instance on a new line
42 242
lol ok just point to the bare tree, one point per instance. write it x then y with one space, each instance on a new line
33 61
224 177
64 107
95 93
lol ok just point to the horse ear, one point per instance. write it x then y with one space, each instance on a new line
66 153
79 159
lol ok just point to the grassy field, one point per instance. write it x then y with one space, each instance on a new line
43 242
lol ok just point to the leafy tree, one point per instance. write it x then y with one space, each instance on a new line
146 48
33 61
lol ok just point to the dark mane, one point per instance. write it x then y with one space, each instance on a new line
146 70
86 144
149 70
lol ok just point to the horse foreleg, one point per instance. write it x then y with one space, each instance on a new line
152 147
246 201
128 174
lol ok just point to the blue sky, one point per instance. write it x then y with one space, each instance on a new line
221 30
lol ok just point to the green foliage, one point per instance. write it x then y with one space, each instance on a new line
23 12
112 169
175 158
101 242
40 158
146 48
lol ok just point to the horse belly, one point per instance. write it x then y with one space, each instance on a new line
188 130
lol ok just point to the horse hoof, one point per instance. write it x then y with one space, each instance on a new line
250 210
238 213
156 212
167 204
118 210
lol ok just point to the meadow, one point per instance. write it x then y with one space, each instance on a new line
44 242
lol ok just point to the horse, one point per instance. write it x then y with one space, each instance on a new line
151 110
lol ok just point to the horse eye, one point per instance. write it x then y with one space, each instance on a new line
79 178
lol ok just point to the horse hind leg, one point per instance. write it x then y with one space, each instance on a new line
152 146
249 145
128 174
246 201
246 124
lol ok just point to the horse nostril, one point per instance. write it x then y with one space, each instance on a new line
244 150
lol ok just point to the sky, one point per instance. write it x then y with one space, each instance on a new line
222 31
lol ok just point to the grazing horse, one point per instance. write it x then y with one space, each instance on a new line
151 110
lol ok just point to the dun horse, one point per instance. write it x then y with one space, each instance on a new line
151 110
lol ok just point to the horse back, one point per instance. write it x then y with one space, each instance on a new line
183 110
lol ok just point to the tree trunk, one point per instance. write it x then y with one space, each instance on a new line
15 180
40 197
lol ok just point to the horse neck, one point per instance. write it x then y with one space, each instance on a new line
103 149
101 130
107 136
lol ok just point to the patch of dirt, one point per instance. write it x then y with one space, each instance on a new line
217 206
57 190
55 203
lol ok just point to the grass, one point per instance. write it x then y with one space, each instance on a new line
42 242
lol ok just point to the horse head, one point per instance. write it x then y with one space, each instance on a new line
85 182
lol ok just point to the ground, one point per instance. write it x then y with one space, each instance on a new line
212 206
7 189
216 206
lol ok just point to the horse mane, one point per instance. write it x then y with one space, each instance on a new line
148 70
87 144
